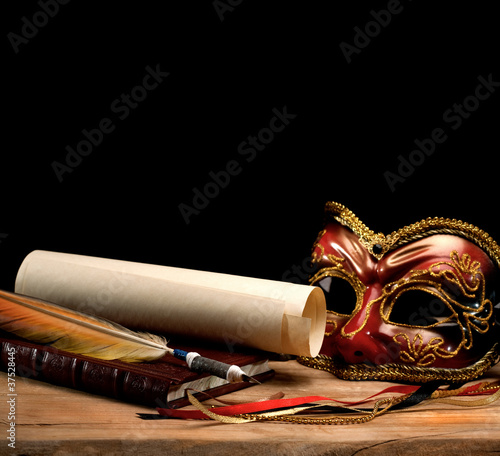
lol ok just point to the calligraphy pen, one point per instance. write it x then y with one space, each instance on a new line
75 332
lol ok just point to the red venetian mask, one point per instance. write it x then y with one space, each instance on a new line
417 305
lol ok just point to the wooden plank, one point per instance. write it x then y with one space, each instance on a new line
54 420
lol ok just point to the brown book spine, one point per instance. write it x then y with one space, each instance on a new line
98 377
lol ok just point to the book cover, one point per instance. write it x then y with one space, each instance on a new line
157 384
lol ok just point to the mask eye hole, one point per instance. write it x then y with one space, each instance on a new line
419 308
339 294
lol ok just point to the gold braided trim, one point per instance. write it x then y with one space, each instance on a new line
402 372
382 406
442 396
484 387
378 244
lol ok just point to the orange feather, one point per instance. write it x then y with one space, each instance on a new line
75 332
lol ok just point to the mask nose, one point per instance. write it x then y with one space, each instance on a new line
364 348
364 339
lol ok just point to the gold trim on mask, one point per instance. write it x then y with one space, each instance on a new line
402 372
379 244
337 270
422 355
437 280
432 281
334 327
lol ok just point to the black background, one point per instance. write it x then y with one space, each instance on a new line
228 70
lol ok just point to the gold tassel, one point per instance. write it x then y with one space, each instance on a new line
46 323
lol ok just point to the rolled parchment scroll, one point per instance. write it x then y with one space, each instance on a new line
269 315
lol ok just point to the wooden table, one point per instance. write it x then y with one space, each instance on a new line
60 421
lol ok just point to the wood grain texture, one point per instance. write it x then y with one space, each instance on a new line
55 420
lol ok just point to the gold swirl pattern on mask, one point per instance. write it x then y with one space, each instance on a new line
468 283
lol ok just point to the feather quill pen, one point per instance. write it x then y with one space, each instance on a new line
75 332
46 323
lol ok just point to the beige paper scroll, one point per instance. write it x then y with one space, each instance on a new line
269 315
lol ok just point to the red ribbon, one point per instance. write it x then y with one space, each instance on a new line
262 406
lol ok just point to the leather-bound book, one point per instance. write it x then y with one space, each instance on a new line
157 384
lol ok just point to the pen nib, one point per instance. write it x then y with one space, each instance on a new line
247 378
